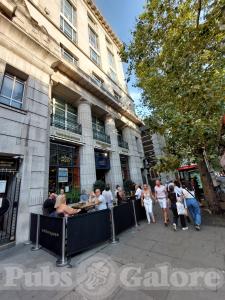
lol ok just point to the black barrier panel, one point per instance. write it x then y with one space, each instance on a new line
140 210
51 234
85 231
123 217
33 227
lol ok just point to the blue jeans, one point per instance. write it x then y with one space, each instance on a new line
194 209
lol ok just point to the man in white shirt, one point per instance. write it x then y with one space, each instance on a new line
161 197
107 194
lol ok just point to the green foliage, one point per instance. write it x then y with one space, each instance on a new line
74 195
129 186
178 56
99 184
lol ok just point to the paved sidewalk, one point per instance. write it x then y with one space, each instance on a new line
148 245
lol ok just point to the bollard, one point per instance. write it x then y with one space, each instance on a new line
28 242
64 261
135 217
114 240
37 246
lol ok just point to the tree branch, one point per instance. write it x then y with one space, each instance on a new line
199 12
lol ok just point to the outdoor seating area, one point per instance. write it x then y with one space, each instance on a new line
68 236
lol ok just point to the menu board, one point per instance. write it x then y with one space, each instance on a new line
63 175
2 186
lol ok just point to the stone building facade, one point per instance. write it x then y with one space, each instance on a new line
153 145
66 116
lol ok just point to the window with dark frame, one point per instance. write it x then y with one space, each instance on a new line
68 20
12 91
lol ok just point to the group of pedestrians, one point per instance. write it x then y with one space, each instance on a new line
180 199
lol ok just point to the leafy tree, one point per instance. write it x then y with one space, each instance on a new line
178 56
99 184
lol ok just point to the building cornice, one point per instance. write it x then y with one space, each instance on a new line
104 23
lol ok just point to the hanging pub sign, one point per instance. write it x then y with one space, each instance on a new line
62 175
10 164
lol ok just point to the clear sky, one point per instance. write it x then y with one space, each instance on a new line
121 15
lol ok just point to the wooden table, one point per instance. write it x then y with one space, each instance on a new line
85 206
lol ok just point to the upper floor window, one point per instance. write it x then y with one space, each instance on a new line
64 116
91 20
97 80
94 56
117 96
111 59
98 125
93 38
12 91
69 56
108 43
68 18
112 75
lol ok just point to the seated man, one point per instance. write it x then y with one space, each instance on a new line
100 200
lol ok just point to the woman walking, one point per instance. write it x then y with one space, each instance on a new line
178 209
146 200
192 205
161 197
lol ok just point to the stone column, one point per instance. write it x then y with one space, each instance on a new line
114 176
135 163
87 155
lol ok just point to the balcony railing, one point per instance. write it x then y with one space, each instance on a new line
122 143
68 125
101 136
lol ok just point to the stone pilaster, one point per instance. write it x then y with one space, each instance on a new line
87 155
135 162
114 176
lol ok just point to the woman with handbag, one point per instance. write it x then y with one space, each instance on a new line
192 205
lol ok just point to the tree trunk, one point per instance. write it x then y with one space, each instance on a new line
207 183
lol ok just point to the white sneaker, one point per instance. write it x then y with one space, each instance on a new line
185 228
197 227
174 226
149 222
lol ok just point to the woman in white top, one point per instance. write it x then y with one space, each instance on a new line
146 200
177 188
